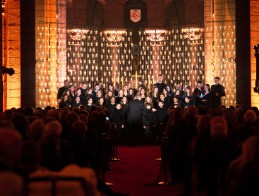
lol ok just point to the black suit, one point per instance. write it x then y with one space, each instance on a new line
217 91
135 115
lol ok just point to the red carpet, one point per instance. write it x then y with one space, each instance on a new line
136 168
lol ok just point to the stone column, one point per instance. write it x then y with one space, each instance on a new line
11 29
254 26
62 42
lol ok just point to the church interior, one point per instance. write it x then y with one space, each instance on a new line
169 92
47 41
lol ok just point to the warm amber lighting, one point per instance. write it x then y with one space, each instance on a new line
176 55
156 36
77 34
193 34
220 58
114 37
253 41
11 53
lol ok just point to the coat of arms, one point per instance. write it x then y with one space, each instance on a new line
135 15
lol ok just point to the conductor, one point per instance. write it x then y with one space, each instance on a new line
135 112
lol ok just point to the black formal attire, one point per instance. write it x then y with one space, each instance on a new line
89 107
83 91
130 97
88 96
197 92
161 114
206 100
64 104
160 86
111 108
125 108
217 91
135 113
83 99
188 104
149 123
96 100
75 104
167 102
118 121
118 99
197 97
61 91
155 101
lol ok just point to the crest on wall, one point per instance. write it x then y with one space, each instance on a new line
135 15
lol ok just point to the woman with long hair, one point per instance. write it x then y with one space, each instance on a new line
64 103
205 96
155 96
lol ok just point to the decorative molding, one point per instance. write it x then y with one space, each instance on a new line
77 34
193 34
156 36
114 37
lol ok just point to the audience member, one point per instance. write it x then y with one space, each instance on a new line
243 172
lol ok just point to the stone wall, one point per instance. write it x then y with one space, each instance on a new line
12 54
254 26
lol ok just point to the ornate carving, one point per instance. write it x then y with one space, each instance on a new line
193 34
114 37
157 36
77 34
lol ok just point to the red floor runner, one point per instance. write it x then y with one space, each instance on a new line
137 168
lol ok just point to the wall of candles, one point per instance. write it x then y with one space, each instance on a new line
95 55
51 42
46 64
107 56
220 44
